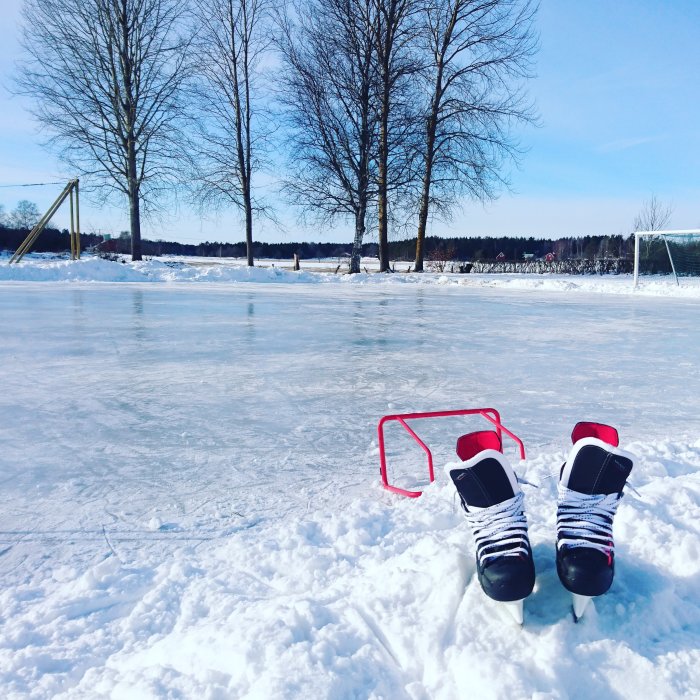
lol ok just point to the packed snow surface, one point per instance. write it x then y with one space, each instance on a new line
191 504
49 268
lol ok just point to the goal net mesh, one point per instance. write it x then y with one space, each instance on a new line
660 254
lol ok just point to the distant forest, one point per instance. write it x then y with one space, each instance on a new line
449 249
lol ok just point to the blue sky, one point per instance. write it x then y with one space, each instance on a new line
618 94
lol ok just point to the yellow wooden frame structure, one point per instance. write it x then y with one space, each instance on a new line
68 192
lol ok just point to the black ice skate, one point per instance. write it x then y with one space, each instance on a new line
590 489
493 503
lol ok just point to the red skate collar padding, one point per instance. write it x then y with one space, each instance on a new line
603 432
471 444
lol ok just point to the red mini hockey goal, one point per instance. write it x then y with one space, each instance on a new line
490 414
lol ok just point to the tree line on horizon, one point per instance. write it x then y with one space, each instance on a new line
452 249
567 255
382 113
598 254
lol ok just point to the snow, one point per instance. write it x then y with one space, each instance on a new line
48 268
191 504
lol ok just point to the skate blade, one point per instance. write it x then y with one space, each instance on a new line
514 608
580 603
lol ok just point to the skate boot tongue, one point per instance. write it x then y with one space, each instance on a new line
484 484
596 468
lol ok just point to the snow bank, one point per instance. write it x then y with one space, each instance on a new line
375 600
40 268
92 269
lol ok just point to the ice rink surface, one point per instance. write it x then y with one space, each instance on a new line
190 484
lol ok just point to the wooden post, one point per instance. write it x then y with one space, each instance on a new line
77 218
72 227
296 262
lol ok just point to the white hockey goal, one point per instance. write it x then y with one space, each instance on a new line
667 252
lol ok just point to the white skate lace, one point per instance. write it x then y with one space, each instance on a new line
500 530
586 520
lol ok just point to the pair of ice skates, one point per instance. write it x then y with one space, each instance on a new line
591 482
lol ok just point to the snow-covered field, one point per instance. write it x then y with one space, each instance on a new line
191 505
47 268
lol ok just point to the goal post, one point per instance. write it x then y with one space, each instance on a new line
675 252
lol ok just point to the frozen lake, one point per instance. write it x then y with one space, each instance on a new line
142 403
183 466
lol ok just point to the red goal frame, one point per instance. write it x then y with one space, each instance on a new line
490 414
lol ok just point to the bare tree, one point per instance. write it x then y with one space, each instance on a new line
329 95
106 78
478 52
654 216
233 39
395 30
3 216
25 215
